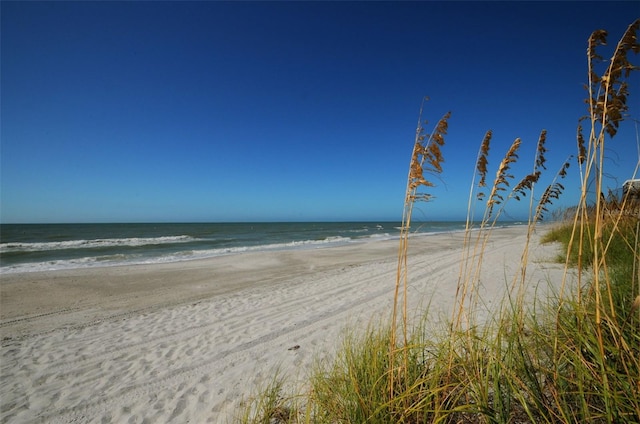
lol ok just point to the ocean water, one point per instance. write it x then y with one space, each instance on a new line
38 247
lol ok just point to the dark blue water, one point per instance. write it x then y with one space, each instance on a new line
36 247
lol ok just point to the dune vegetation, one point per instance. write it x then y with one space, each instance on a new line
574 358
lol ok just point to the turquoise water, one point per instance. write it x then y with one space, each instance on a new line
37 247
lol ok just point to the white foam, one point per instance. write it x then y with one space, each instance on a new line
184 255
90 244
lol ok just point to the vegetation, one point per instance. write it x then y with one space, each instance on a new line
576 359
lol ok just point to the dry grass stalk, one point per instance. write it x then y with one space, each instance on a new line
482 162
527 183
553 191
471 263
426 158
607 100
501 181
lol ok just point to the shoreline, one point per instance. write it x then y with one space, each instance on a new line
184 341
59 263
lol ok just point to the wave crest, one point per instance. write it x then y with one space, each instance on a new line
92 244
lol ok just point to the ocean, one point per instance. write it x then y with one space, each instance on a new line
39 247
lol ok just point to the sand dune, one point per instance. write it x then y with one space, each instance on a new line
182 342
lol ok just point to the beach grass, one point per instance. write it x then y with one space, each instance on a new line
572 357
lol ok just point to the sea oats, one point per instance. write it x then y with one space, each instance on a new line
501 181
582 150
482 162
608 93
527 183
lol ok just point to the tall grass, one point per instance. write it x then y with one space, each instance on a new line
574 358
426 158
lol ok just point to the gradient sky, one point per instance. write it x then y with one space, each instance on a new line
216 111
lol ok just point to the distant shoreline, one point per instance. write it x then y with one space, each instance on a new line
35 247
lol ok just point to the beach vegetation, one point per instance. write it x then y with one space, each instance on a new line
572 357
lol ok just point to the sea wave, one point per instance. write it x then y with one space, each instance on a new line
91 244
177 256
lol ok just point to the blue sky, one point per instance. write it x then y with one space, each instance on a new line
216 111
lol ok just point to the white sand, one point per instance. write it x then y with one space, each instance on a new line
183 342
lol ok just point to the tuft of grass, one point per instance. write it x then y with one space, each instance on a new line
272 405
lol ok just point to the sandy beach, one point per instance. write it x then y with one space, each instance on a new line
182 342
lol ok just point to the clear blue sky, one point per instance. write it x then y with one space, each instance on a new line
215 111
